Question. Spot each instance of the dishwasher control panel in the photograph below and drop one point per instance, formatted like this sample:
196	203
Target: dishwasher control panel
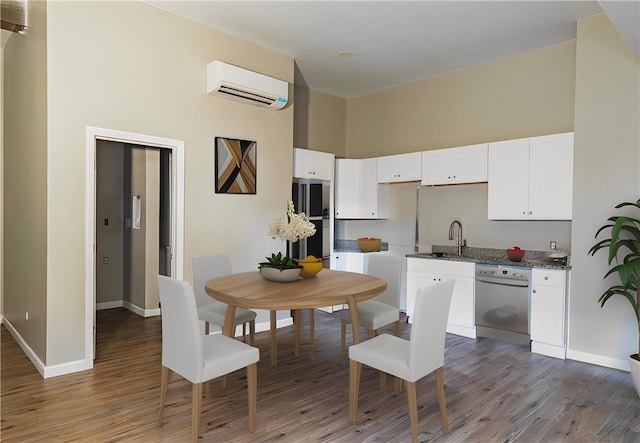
503	272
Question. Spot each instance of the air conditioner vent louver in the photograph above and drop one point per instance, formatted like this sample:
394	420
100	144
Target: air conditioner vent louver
239	93
250	87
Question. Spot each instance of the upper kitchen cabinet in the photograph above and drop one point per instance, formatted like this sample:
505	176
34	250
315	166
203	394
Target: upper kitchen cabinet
466	164
357	193
399	168
531	178
313	164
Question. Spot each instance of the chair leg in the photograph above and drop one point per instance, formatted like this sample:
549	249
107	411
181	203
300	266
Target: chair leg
413	409
397	385
343	341
296	329
244	332
312	327
196	392
164	378
252	331
355	368
441	402
252	388
206	328
397	329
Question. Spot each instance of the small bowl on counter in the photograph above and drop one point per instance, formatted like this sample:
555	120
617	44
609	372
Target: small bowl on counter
515	253
369	244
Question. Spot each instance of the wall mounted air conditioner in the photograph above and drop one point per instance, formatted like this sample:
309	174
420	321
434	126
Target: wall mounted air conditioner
250	87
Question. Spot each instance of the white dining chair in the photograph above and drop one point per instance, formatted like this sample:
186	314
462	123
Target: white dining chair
408	360
197	357
205	268
382	310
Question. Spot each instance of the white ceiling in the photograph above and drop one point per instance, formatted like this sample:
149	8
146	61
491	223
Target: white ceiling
393	42
398	42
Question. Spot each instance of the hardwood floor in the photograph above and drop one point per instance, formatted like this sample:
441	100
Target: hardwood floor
495	392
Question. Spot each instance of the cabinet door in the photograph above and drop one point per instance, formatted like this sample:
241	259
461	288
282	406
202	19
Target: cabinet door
368	187
312	164
338	261
437	167
347	188
416	280
399	168
509	180
465	164
470	164
551	177
547	307
461	311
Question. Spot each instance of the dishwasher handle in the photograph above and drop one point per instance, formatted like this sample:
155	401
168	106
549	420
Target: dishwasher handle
503	281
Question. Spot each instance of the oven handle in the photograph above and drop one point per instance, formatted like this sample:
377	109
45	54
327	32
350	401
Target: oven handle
503	282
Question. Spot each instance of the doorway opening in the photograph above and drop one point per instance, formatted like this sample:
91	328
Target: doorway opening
134	222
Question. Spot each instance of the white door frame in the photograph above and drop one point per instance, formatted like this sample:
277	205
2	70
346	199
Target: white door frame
177	214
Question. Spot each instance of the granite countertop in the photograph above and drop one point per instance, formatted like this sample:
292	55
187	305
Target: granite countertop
352	246
532	259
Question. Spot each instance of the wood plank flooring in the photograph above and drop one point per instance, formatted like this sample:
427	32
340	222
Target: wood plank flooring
495	392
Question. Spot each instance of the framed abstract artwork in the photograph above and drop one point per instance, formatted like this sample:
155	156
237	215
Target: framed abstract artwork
235	166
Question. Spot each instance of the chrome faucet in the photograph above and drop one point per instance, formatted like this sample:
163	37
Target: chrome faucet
459	240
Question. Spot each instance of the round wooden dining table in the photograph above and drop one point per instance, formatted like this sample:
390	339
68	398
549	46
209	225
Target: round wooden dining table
329	287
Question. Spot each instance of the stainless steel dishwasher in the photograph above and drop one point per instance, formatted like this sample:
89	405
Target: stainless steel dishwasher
502	303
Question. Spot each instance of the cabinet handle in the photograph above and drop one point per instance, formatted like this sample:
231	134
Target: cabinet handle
534	291
546	277
530	212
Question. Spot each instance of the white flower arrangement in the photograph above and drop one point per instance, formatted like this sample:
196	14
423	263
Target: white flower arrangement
291	227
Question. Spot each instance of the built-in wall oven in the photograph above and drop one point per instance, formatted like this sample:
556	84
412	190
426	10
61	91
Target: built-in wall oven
502	303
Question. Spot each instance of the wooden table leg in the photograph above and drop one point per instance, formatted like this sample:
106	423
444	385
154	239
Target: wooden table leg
229	321
274	346
355	322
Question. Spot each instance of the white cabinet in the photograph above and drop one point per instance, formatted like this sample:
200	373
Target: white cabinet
399	168
357	193
531	178
348	261
548	312
424	272
313	164
465	164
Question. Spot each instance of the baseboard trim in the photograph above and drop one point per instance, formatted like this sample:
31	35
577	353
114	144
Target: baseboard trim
44	370
129	306
464	331
599	360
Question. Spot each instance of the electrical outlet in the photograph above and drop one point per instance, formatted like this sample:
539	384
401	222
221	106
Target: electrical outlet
26	315
552	245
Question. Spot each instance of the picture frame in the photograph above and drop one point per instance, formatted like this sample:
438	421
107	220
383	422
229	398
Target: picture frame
235	166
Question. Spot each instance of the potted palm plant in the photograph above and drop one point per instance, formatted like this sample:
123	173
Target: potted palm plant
623	247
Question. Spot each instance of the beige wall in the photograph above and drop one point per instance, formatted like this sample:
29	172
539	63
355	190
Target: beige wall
606	172
132	67
526	95
320	122
25	180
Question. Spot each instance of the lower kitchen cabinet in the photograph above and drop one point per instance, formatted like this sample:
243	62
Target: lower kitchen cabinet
548	312
427	272
348	261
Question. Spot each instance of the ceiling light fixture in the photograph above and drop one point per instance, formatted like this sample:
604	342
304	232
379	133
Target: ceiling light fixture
345	54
